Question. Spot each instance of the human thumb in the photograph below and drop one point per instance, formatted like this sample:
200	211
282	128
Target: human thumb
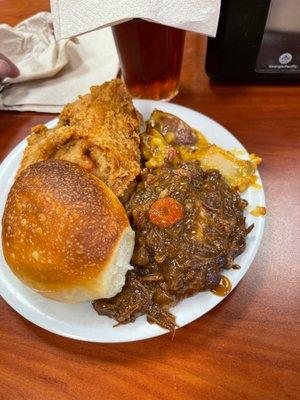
4	69
7	68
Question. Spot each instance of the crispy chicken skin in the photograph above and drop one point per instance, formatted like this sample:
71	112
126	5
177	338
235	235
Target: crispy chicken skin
99	132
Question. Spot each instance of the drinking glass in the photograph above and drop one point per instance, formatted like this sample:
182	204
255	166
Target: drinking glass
150	56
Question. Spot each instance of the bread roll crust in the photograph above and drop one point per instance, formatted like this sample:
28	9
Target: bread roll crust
61	228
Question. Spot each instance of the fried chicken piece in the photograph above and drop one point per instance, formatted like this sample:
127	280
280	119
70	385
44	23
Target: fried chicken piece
99	132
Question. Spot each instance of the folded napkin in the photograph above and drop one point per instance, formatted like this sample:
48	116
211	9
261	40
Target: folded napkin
53	73
74	17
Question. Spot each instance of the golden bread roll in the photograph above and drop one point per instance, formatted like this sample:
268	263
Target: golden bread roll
65	234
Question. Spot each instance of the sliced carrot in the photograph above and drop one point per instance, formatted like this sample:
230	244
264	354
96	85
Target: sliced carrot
165	212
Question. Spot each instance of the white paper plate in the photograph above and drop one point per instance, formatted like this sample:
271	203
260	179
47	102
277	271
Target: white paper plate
80	321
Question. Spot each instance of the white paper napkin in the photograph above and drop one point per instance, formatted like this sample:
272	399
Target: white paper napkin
53	73
74	17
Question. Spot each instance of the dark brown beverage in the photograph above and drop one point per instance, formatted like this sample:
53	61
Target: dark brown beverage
150	56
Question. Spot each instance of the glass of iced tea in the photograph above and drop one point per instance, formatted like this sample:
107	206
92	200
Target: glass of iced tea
150	55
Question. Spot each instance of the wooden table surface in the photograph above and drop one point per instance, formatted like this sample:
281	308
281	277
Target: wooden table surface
247	347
